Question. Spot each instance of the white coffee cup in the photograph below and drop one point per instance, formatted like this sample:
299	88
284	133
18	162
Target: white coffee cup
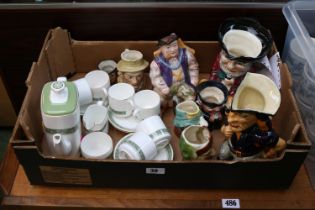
120	98
147	103
95	118
138	147
84	90
96	145
109	66
156	129
99	83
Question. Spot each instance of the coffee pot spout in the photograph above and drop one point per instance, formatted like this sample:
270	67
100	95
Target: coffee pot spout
61	146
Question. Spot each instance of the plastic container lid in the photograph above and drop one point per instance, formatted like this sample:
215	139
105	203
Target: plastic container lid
297	13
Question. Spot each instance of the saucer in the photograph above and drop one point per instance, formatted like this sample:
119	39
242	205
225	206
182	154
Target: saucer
164	154
127	124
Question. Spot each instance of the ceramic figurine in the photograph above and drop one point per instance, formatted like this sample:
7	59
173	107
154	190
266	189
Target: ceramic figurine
243	41
249	133
196	143
183	92
131	69
211	98
173	63
187	113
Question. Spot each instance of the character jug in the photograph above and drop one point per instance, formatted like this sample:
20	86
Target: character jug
61	118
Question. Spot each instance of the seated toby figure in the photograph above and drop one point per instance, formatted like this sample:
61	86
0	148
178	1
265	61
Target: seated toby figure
243	42
248	132
173	64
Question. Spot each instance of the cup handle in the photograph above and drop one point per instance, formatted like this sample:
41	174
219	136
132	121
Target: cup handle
136	113
202	121
105	95
132	105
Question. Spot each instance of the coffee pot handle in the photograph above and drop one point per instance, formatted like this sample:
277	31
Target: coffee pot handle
61	146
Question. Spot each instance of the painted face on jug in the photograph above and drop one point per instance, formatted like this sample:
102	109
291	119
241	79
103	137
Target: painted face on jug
240	121
233	68
133	78
170	51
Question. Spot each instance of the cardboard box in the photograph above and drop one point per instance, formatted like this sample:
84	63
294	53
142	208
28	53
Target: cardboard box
62	56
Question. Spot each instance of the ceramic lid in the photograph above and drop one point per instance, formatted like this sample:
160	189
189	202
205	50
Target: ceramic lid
59	98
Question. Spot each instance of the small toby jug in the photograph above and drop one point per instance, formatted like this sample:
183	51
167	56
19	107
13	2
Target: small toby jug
61	118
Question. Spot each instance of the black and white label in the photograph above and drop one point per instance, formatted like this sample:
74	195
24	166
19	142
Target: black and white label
155	171
231	203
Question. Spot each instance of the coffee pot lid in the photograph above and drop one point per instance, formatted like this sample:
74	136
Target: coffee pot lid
59	97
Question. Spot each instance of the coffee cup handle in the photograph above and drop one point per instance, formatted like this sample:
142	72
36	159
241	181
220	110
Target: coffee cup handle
131	104
136	113
105	95
202	121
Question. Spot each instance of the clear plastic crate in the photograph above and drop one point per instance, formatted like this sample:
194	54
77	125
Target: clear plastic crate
299	54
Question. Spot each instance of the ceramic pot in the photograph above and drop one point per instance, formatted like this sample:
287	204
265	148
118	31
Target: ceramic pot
61	117
211	98
196	143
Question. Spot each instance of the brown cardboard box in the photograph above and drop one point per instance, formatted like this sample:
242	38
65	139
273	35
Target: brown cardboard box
62	56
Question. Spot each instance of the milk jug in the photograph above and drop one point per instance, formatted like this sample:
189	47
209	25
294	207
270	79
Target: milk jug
61	118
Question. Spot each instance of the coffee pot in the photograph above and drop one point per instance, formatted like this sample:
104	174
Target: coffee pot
61	118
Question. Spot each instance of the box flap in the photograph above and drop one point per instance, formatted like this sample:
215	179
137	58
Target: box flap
59	54
30	115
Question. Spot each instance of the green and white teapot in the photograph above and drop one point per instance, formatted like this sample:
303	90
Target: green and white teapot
61	118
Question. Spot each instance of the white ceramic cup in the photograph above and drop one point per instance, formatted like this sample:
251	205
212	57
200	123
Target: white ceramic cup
120	98
95	118
147	103
99	83
156	129
138	147
107	66
96	145
84	90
